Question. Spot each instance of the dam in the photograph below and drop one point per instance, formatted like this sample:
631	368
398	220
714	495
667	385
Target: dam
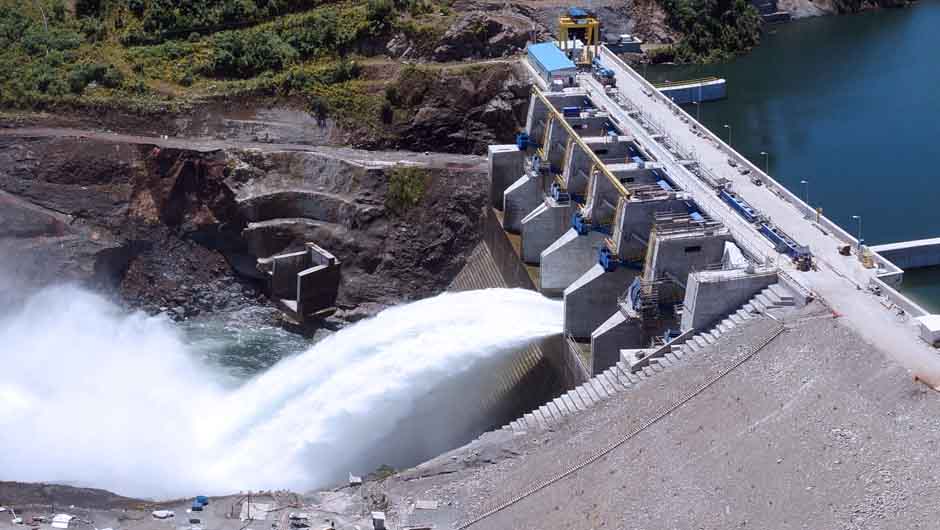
659	237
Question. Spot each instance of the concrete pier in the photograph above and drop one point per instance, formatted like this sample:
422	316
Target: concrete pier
911	254
520	198
506	165
303	284
592	298
542	226
623	329
567	258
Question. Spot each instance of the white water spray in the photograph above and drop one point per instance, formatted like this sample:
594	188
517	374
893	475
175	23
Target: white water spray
92	396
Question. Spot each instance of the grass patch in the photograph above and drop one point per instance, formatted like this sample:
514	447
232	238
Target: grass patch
142	54
406	187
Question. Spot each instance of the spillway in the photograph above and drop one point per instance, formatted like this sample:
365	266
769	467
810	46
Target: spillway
95	396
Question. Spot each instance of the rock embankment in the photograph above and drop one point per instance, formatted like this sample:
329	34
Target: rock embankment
177	230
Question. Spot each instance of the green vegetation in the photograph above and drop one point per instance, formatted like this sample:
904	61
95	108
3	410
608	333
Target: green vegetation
148	54
382	472
713	30
406	187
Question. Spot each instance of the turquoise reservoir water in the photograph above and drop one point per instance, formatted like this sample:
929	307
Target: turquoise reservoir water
851	104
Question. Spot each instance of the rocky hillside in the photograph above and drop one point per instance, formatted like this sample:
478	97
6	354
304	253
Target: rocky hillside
337	62
178	230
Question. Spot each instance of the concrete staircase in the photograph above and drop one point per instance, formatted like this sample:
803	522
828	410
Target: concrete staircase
622	375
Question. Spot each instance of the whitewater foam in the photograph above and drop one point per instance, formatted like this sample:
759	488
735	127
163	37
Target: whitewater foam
98	397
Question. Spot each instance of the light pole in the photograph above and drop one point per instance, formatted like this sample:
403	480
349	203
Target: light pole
766	156
698	110
805	184
726	126
859	219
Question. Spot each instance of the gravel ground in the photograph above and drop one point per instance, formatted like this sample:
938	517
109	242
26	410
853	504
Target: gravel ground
818	430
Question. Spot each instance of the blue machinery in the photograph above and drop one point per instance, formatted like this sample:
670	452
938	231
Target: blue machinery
561	195
739	205
582	227
783	243
611	261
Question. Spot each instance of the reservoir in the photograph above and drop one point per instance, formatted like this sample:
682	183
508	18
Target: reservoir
851	105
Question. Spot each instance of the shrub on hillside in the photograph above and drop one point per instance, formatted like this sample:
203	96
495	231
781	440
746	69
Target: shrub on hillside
713	29
244	55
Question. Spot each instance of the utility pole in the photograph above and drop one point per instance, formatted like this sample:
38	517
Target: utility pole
859	238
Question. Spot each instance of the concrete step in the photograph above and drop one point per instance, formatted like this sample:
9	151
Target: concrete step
561	406
556	412
700	340
548	414
575	400
664	362
708	337
625	373
782	293
518	426
624	380
749	307
743	314
541	420
672	358
599	388
648	372
586	398
758	305
531	422
771	296
715	333
736	318
605	384
611	375
692	346
764	299
612	380
723	327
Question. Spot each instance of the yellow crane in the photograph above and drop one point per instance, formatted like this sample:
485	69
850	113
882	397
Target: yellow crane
578	24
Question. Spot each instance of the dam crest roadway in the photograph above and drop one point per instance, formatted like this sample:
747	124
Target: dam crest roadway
647	148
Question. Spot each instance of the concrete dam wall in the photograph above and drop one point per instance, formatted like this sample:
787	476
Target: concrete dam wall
544	369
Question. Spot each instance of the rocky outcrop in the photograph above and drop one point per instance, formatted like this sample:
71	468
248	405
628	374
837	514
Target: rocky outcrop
179	231
480	31
483	35
459	109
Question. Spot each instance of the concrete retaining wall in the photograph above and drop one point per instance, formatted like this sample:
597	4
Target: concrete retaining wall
483	271
710	296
